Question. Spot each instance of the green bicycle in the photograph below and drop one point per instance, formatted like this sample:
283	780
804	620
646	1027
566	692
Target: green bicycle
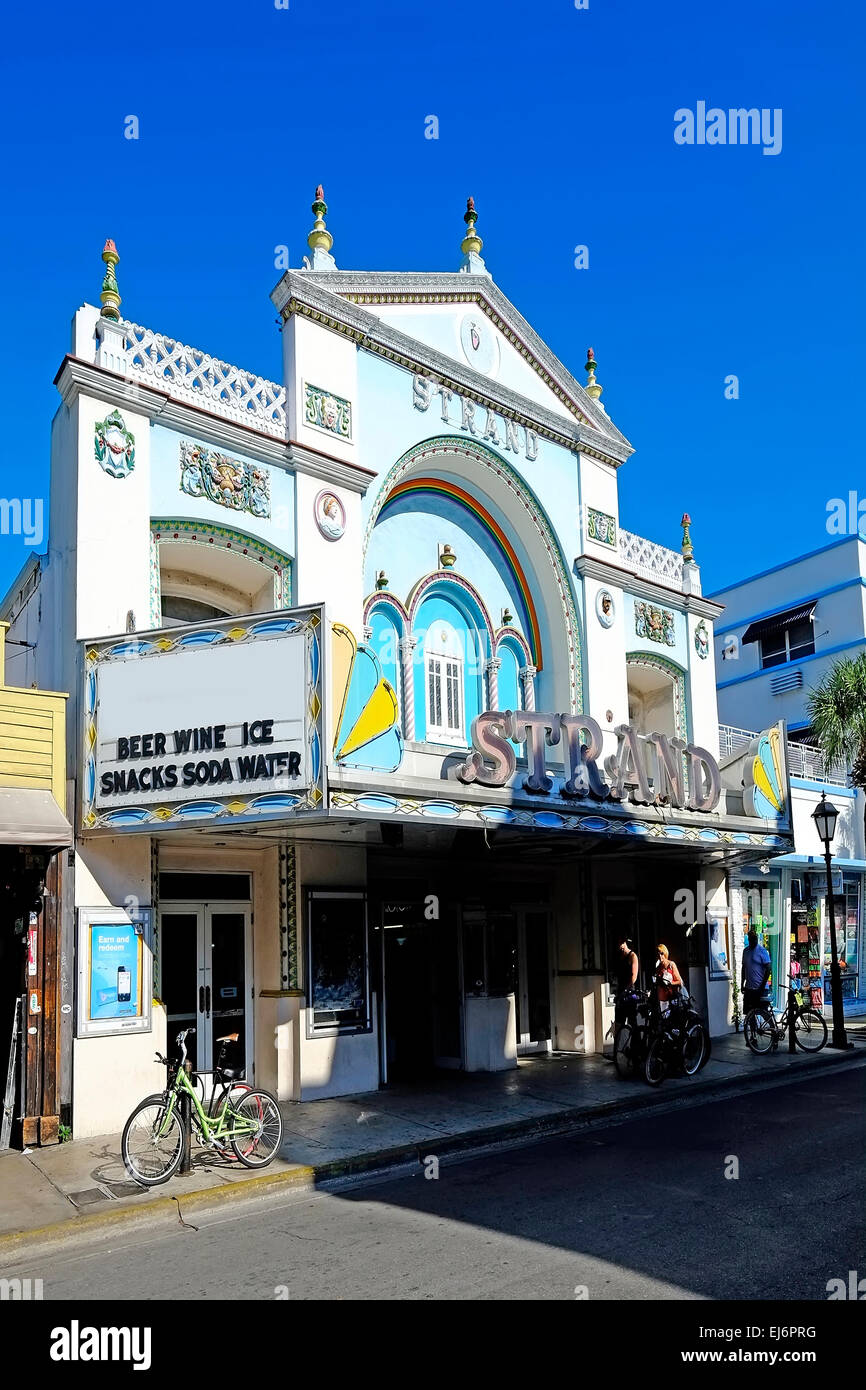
247	1123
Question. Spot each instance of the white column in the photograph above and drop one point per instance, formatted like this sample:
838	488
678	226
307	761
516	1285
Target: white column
407	666
527	675
492	669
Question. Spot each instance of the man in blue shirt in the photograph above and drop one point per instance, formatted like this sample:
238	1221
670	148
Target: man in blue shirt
756	973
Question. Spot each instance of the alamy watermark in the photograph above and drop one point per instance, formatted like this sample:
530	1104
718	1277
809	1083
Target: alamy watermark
22	516
736	126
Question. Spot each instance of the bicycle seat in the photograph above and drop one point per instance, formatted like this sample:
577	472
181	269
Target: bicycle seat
229	1037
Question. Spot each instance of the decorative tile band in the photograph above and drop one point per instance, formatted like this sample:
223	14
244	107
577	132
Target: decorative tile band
288	917
226	481
381	803
601	527
325	411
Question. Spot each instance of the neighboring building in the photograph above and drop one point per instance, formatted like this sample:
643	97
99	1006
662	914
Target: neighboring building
383	730
781	632
33	935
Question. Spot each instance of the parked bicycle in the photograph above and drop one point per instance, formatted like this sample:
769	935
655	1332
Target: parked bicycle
680	1043
245	1122
763	1031
650	1042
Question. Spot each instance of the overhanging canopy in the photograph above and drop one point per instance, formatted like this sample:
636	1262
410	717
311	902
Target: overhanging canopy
32	819
755	631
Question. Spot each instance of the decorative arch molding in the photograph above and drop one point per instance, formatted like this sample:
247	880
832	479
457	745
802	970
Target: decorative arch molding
202	533
382	599
418	485
678	678
509	636
488	460
442	581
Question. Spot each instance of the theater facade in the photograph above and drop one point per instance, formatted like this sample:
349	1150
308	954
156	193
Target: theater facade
383	729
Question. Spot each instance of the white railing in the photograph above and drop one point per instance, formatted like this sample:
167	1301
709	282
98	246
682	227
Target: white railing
192	376
651	561
804	760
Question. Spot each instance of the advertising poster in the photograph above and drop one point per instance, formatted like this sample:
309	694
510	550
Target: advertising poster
115	971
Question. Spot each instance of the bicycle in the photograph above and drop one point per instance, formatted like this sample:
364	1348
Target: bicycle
630	1038
763	1031
154	1136
679	1045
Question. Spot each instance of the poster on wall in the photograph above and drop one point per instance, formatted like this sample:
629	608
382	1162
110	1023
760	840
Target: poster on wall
114	971
719	956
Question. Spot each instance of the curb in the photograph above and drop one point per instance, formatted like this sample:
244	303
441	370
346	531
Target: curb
308	1177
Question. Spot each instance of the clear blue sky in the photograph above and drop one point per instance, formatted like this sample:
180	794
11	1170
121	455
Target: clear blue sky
704	261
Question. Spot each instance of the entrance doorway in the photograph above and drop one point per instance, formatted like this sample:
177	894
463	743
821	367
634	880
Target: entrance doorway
421	1016
534	1032
206	979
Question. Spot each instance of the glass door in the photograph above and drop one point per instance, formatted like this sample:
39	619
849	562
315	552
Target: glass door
205	980
181	940
224	980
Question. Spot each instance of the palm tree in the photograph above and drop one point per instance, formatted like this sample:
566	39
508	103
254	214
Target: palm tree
837	713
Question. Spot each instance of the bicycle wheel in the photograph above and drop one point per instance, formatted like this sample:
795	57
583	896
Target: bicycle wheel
759	1032
259	1147
693	1049
151	1149
623	1054
655	1066
810	1030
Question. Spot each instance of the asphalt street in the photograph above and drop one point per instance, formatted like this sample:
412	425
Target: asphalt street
646	1208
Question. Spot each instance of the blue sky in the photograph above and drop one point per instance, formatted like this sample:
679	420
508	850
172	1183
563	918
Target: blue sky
703	261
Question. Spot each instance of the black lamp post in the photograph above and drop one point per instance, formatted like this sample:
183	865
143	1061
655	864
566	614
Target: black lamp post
825	816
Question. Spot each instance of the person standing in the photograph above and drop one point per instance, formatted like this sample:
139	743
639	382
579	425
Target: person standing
755	973
668	978
627	971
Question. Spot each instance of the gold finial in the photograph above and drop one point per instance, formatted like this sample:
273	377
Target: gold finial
472	242
688	551
592	387
320	238
110	296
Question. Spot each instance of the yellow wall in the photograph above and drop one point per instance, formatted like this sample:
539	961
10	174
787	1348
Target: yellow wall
32	737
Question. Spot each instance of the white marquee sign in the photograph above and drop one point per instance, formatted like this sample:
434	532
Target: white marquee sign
195	724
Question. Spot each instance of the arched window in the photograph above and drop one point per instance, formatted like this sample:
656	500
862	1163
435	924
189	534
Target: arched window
510	686
444	663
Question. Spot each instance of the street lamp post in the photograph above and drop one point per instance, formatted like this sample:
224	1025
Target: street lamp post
825	816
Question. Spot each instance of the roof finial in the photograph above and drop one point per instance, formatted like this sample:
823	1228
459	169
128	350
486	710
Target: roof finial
592	387
688	552
320	240
471	244
110	296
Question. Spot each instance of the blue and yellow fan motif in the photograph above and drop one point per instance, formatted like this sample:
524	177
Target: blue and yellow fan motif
765	794
365	707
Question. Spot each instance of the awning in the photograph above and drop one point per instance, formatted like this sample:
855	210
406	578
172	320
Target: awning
32	819
764	626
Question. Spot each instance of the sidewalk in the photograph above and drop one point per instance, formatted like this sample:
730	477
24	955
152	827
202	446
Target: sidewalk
50	1193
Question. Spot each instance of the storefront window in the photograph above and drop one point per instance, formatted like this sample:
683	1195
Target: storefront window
846	911
338	973
760	905
806	940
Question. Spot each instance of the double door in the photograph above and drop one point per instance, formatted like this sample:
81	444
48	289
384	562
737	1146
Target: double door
207	978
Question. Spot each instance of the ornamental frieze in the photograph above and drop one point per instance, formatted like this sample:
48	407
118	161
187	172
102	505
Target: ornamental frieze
325	411
601	527
226	481
114	446
655	624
